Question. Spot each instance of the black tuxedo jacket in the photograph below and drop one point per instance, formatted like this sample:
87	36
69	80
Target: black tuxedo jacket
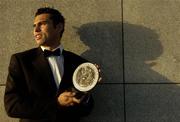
31	92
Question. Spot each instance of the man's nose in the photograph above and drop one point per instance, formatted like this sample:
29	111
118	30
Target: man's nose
37	29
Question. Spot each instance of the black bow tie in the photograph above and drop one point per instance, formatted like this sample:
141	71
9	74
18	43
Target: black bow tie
48	53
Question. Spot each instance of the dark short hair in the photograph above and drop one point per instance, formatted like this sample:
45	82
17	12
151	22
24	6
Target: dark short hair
55	15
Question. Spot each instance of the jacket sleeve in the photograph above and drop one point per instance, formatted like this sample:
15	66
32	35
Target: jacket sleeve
86	105
17	100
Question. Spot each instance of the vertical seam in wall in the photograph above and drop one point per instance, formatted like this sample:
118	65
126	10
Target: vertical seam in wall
123	61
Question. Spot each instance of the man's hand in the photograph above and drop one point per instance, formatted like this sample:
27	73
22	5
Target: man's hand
67	99
99	70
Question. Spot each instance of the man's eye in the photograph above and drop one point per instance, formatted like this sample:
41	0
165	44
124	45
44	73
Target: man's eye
40	24
43	23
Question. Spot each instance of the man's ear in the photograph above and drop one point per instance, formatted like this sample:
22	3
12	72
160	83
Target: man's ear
59	27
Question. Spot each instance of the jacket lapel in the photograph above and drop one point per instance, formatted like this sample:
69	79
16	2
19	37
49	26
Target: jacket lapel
43	70
66	82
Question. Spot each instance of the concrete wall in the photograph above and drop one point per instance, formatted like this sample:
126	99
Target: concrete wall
134	41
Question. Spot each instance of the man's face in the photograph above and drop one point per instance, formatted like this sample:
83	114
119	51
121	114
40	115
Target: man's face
44	31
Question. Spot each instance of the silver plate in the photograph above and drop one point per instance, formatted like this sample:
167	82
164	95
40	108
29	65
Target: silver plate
85	77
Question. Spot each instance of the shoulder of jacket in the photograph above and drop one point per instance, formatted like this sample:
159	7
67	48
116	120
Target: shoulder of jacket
68	52
74	56
25	53
71	54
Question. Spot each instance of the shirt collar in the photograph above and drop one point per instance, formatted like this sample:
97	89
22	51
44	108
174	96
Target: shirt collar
60	47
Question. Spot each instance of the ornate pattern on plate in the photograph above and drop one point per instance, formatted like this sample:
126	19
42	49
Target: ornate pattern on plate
85	77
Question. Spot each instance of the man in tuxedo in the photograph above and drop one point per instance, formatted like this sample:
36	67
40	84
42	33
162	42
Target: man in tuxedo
39	85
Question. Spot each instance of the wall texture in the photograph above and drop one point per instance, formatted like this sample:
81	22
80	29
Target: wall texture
136	43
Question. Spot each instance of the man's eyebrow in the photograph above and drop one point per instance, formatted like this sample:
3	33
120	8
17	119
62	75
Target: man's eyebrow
44	21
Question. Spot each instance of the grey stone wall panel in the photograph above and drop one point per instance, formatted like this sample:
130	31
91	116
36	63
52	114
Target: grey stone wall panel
152	103
109	104
152	49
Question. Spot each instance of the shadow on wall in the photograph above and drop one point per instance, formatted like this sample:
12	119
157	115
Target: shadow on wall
141	48
105	42
143	102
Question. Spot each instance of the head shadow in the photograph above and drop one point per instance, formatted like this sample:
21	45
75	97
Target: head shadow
141	49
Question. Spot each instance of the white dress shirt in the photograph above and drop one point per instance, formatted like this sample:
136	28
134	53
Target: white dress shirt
57	65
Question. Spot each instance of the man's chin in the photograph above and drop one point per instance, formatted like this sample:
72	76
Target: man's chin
40	42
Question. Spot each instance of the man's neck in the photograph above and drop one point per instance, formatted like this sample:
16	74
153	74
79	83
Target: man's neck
47	48
51	48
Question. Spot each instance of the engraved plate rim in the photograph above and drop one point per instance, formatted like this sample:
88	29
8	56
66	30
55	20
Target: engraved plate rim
84	89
